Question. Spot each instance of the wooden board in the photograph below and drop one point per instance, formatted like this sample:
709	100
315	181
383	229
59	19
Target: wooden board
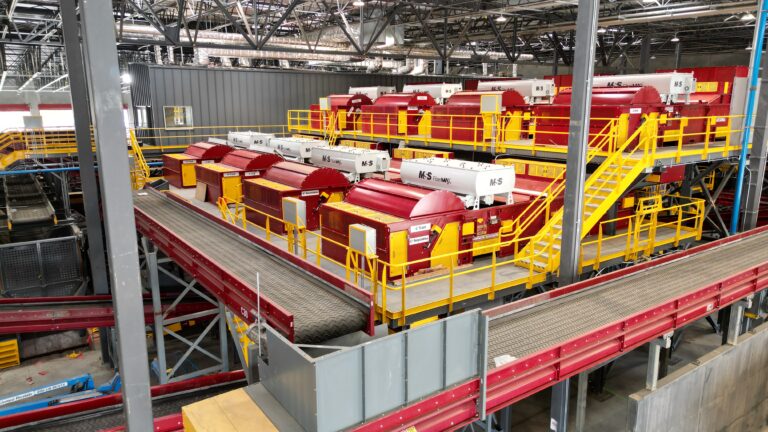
234	411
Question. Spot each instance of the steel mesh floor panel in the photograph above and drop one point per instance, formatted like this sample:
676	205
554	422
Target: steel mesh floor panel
318	314
550	323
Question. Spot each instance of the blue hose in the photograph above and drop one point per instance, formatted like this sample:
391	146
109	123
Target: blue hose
755	72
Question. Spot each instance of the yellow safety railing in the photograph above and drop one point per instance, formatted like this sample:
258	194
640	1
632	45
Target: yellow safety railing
542	207
643	233
678	136
140	172
163	140
614	174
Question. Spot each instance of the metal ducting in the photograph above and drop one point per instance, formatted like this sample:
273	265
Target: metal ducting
275	43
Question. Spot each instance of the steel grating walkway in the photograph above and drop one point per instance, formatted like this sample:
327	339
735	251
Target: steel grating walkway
551	323
318	314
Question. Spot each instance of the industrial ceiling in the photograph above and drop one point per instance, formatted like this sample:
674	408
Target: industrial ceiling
326	34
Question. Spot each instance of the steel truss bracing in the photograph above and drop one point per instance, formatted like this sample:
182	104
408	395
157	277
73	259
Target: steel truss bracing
466	33
163	322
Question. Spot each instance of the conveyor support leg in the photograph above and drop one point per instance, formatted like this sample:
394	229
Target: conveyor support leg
558	416
736	319
654	359
581	401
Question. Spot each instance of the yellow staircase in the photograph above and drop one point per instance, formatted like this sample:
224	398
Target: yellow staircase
140	171
331	131
601	191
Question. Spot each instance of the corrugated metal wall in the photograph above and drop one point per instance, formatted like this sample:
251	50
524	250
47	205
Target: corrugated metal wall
247	96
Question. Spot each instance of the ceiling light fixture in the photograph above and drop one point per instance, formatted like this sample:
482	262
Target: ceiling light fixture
601	30
358	3
501	18
675	39
747	17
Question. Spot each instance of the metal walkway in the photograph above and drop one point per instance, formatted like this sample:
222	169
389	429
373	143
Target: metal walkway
317	313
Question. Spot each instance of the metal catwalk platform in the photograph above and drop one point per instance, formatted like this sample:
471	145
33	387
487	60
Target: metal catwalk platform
225	262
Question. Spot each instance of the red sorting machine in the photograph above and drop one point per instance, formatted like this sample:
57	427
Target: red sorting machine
460	118
179	168
625	104
347	109
395	114
414	223
315	186
224	179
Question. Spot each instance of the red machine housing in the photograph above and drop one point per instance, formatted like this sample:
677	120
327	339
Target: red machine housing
715	79
607	103
312	185
242	164
414	223
384	116
175	169
347	108
460	118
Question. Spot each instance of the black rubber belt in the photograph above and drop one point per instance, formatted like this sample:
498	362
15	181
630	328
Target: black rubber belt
318	314
550	323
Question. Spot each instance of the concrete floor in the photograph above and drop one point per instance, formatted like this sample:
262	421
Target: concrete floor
609	412
44	370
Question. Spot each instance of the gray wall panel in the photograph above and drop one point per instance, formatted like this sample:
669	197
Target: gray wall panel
724	391
229	97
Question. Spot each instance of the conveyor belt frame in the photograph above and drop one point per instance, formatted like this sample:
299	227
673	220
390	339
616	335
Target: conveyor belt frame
239	296
523	377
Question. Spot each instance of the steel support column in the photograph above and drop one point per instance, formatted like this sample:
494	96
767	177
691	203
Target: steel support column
101	67
678	54
85	159
558	414
736	319
581	401
162	323
654	359
758	153
645	54
578	140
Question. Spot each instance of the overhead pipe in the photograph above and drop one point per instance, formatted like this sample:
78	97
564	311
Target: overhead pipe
745	136
275	43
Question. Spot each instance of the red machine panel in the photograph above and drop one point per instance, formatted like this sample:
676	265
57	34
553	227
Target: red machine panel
219	178
607	103
315	186
460	119
395	113
414	223
347	109
174	164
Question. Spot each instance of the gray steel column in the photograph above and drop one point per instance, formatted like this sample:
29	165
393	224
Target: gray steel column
79	97
153	279
578	139
654	359
645	54
757	156
581	401
678	54
558	414
98	32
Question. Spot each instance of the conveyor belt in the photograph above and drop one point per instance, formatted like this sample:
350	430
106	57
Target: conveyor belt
26	202
551	323
318	314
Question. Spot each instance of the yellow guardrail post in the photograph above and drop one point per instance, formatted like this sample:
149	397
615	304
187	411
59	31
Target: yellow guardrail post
450	286
402	297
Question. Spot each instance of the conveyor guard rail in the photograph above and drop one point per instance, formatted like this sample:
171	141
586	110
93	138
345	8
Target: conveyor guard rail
525	353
